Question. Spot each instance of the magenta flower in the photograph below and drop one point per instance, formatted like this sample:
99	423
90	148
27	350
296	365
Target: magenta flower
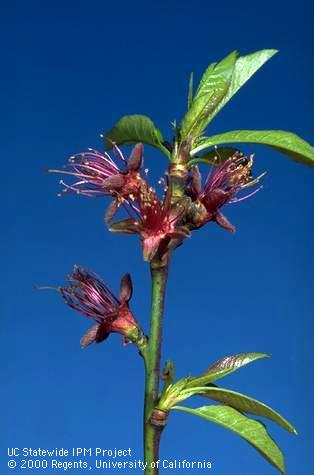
222	186
89	295
98	175
155	221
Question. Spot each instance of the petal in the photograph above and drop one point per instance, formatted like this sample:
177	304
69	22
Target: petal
95	334
114	182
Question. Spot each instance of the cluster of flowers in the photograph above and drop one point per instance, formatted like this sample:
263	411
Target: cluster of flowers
158	222
162	224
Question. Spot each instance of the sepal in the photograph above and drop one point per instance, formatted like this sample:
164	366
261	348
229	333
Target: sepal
126	288
125	226
224	222
96	334
136	158
111	211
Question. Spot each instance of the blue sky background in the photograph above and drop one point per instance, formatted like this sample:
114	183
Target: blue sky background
71	69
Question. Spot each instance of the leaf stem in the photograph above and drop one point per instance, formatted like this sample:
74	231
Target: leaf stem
159	272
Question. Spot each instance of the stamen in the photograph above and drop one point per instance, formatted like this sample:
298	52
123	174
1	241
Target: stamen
254	181
237	200
47	287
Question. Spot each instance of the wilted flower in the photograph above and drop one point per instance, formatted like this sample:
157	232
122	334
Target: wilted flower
98	175
88	294
155	221
222	186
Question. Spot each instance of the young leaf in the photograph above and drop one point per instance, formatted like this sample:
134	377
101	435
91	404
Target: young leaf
242	403
189	386
190	95
223	367
244	69
251	430
285	142
173	393
212	89
135	128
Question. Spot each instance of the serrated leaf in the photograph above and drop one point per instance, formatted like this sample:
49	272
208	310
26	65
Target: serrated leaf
242	403
251	430
223	367
131	129
280	140
244	69
212	89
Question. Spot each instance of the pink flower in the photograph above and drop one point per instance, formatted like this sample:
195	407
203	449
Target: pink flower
222	186
98	175
89	295
156	222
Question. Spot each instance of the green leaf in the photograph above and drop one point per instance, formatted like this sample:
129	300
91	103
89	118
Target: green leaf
215	156
285	142
135	128
185	387
172	394
190	95
181	391
251	430
244	69
223	367
212	89
242	403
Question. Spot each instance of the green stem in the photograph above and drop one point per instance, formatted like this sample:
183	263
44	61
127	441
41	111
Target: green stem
159	271
178	173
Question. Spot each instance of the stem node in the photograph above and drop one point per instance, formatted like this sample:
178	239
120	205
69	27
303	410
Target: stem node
159	418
